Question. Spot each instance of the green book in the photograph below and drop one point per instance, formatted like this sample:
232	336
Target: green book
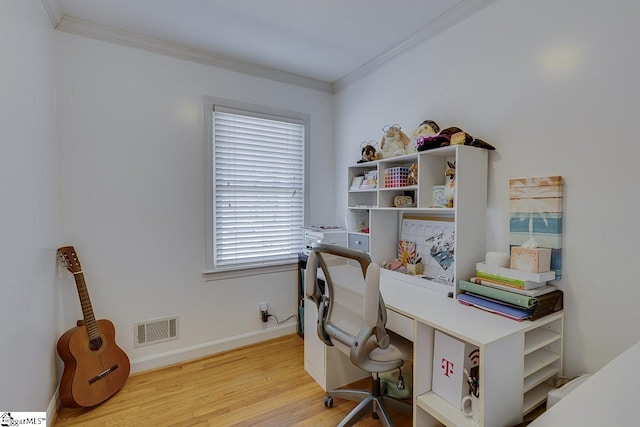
510	281
498	294
515	278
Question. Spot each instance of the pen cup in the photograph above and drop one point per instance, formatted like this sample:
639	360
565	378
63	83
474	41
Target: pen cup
471	407
415	269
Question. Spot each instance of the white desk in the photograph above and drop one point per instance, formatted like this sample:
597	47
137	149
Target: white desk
607	398
505	345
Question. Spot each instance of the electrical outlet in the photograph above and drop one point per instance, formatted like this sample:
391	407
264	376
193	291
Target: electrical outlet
263	310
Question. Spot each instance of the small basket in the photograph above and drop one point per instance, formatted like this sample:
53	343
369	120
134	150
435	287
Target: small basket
396	177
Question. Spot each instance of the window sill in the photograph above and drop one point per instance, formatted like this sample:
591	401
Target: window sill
210	276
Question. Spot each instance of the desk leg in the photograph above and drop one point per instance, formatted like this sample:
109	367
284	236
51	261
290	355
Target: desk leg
501	367
422	371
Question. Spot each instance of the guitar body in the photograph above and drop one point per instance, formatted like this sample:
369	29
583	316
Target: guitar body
95	368
91	376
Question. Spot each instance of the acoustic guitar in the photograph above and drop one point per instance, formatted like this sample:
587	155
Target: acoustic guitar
95	368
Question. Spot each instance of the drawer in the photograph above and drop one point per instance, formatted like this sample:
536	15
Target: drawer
359	241
400	324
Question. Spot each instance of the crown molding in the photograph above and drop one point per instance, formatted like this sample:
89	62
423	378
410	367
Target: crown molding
54	10
439	24
85	28
100	32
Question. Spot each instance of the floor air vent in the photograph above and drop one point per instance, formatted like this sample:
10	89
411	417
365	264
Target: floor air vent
156	331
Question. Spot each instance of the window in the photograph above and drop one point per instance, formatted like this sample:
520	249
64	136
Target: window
257	188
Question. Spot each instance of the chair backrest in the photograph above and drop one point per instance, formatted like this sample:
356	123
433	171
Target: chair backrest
340	321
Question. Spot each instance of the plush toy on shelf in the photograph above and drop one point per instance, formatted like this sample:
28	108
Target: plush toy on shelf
412	177
426	129
450	136
395	142
369	152
450	186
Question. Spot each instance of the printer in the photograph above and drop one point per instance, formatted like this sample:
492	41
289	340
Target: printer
331	235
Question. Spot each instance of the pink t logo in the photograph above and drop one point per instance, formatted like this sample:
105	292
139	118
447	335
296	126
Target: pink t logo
447	367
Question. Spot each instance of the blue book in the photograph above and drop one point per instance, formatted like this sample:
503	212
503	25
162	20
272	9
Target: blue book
494	307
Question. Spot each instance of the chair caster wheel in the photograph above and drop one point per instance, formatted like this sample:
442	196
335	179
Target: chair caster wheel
328	402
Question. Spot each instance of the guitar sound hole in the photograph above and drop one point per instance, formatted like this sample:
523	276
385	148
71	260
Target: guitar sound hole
95	344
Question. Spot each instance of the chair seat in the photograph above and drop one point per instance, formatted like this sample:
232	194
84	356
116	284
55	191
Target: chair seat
400	348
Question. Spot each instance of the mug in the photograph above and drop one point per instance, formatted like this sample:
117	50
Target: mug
471	407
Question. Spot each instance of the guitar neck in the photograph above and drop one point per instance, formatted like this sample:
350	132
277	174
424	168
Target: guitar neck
87	310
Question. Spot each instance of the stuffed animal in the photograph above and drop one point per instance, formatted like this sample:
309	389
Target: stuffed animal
369	152
426	129
450	136
450	186
395	142
412	177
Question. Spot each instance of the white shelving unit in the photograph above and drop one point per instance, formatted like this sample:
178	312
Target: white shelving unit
375	209
359	204
543	351
518	360
516	370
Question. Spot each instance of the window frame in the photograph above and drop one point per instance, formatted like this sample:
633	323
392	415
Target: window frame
210	273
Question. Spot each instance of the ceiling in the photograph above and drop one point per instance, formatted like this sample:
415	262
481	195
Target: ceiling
324	44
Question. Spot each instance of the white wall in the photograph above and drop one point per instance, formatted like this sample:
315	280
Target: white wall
133	201
28	207
554	87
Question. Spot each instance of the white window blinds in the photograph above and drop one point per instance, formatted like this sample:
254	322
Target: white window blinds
258	189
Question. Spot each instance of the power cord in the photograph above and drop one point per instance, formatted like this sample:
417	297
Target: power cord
278	322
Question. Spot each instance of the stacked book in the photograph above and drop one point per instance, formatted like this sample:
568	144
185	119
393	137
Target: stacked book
511	293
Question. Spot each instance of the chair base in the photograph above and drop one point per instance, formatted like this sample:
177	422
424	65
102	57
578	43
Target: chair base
370	402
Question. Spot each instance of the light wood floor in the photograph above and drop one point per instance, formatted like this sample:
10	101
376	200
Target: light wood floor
260	385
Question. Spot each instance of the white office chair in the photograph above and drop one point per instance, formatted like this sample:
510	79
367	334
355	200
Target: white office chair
358	332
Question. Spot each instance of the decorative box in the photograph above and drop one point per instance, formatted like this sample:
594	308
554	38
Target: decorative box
396	177
536	260
400	201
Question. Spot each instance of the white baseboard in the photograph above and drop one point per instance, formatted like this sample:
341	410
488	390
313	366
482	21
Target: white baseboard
206	349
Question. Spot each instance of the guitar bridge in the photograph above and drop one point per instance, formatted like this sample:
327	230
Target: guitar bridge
103	374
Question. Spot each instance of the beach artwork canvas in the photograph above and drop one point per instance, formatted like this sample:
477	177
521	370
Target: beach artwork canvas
535	206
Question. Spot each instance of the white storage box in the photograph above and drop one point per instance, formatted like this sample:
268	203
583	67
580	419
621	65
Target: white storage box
450	357
331	236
